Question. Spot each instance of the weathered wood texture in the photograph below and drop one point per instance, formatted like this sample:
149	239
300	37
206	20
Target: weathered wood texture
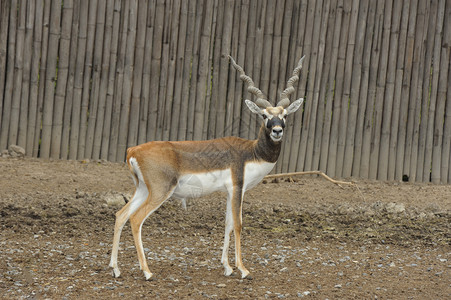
87	79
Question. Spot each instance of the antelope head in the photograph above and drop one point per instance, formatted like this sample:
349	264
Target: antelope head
274	117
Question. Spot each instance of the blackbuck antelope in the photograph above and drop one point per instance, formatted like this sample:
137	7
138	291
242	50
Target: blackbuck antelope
194	168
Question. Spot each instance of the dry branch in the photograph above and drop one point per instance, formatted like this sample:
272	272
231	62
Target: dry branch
337	182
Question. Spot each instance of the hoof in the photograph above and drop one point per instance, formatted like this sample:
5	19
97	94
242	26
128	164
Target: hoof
228	271
248	277
116	273
148	275
244	274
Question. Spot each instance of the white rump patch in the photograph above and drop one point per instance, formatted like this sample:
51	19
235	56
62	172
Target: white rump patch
141	188
136	169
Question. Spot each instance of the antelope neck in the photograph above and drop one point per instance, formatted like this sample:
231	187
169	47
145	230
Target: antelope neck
266	149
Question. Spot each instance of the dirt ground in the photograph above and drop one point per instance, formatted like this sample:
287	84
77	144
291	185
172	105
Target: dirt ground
306	239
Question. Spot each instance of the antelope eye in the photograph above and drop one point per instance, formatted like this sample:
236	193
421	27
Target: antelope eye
264	117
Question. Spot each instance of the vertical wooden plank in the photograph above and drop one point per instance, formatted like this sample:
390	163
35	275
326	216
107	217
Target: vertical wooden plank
355	117
95	80
172	56
42	78
321	79
428	104
407	80
147	67
334	166
102	112
107	133
419	138
63	72
324	108
434	134
119	80
371	96
411	130
291	42
49	96
209	92
34	78
346	93
65	136
212	118
314	80
183	124
268	35
287	60
25	95
329	86
78	81
202	72
279	59
178	80
127	85
395	117
387	99
164	67
194	68
4	22
297	118
445	92
241	124
375	164
233	104
364	103
446	153
224	68
253	65
138	76
18	72
87	80
299	153
155	71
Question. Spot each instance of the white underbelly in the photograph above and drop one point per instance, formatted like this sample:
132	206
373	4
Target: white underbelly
200	184
254	173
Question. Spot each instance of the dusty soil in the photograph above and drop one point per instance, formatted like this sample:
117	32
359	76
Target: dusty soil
307	239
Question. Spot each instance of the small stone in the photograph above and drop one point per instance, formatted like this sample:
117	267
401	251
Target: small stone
338	286
221	285
115	200
395	208
16	151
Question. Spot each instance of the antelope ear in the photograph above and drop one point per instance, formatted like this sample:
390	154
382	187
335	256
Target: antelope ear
253	107
294	106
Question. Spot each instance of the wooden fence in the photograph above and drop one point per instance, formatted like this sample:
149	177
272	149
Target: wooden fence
88	78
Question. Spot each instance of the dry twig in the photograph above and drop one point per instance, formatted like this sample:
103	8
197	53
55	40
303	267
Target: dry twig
337	182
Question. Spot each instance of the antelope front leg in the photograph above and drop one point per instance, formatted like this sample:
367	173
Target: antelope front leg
237	222
228	229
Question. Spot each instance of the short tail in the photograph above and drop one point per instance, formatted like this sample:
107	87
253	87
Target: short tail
131	166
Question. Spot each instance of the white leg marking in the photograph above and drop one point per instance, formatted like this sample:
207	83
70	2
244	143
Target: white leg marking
183	203
138	199
228	229
243	270
147	274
